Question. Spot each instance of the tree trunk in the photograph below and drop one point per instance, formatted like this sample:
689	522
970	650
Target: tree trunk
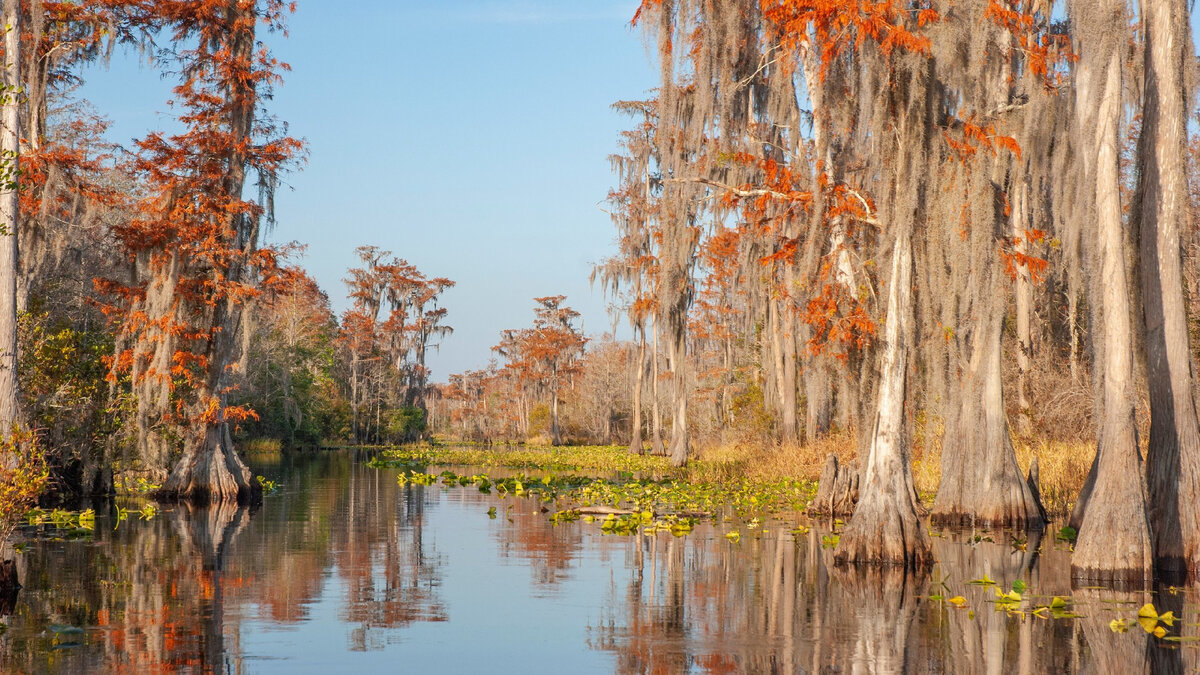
837	490
1114	537
818	394
981	481
773	394
555	439
787	397
885	528
354	398
1024	301
635	433
1173	457
10	151
656	444
677	352
210	469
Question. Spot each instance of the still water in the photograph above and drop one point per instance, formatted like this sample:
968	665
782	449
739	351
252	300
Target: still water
344	570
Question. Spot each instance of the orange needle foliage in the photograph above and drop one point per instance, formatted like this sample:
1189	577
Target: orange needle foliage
194	242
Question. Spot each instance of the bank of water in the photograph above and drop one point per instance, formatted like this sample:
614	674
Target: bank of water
343	569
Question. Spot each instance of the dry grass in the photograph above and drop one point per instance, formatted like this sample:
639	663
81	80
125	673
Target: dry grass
772	462
1063	465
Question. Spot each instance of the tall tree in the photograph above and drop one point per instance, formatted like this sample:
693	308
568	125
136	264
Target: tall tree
10	152
1114	537
1161	211
195	245
981	482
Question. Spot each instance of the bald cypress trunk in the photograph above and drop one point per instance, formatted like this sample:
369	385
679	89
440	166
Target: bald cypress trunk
818	396
885	527
1173	456
677	352
635	432
656	443
981	481
1114	536
787	339
1023	289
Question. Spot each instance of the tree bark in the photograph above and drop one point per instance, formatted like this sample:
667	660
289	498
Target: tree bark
837	490
635	432
656	444
555	438
1173	457
981	481
885	528
1114	537
677	352
787	341
1023	289
818	395
10	151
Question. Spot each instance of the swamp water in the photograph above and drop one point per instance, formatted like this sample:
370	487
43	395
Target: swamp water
344	570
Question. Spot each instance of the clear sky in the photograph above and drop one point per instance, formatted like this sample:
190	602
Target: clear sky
470	137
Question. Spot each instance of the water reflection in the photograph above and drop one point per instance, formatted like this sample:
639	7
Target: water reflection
343	568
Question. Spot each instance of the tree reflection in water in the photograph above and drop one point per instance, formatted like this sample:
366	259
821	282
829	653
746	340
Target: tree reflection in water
171	594
778	604
345	553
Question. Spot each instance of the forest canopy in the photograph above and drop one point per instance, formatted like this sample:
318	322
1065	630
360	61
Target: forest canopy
950	242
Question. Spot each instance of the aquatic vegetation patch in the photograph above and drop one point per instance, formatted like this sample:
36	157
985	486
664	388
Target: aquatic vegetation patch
268	486
603	458
127	484
62	523
629	503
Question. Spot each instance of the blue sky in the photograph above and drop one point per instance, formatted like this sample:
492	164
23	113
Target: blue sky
469	137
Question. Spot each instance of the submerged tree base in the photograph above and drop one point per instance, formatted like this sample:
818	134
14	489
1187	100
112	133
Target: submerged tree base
211	471
885	530
837	490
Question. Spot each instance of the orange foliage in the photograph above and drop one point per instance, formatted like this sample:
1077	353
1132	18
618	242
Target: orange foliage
1043	49
193	225
1012	252
833	25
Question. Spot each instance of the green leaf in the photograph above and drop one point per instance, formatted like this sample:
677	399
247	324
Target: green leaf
1019	586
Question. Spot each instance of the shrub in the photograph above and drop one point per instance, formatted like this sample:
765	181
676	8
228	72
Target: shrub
23	477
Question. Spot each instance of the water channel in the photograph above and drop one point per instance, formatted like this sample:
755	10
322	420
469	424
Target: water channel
344	570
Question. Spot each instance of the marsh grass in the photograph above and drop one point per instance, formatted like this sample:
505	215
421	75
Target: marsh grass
261	446
773	462
1063	464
